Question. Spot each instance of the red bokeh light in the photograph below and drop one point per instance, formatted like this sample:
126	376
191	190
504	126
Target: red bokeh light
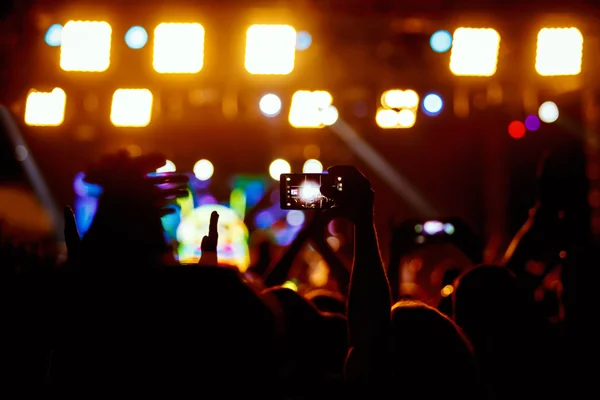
516	129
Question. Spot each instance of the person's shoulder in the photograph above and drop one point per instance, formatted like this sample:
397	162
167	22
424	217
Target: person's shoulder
184	275
203	271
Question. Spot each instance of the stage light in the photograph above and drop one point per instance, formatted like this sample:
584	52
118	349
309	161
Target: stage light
474	52
303	40
406	118
312	166
548	112
432	104
329	115
312	110
131	107
398	99
559	51
54	35
441	41
136	37
85	46
295	218
279	167
45	108
168	167
178	48
532	123
516	129
386	119
203	170
270	105
270	49
398	109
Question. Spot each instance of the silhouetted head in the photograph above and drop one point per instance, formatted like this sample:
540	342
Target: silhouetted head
488	301
327	301
314	344
496	314
192	329
431	356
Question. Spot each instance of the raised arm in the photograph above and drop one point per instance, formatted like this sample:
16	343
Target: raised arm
369	301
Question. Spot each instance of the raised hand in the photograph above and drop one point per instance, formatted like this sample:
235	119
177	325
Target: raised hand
128	178
210	242
355	201
127	225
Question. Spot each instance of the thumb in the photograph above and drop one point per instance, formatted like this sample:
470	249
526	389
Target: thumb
72	238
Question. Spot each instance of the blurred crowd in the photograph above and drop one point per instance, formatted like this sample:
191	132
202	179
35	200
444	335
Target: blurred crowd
120	315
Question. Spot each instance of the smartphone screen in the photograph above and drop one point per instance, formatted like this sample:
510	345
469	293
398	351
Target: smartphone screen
309	191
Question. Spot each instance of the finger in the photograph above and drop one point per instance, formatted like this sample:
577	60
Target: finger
212	228
174	193
208	245
167	177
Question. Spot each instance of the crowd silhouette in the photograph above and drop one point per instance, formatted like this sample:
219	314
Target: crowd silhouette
120	315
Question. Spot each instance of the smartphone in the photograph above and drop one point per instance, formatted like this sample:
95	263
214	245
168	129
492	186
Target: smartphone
309	191
434	228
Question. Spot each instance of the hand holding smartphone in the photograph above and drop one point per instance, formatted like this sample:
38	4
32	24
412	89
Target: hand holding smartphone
310	191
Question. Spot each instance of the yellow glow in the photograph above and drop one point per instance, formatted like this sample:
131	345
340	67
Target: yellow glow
334	243
312	109
406	118
45	108
559	51
447	290
168	167
399	109
270	49
399	99
131	107
312	166
278	167
290	285
178	48
386	119
85	46
319	273
474	52
203	170
270	105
